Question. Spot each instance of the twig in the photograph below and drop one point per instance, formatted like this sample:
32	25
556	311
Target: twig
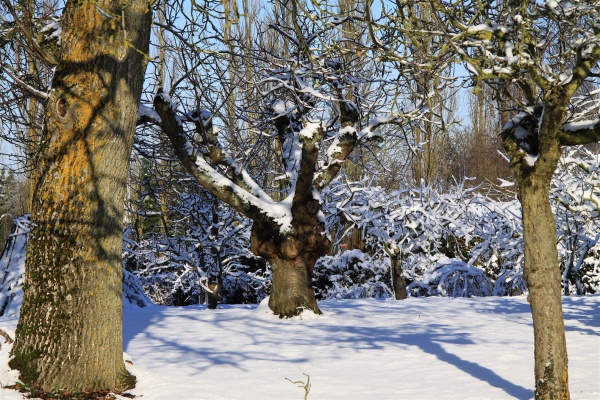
6	336
305	385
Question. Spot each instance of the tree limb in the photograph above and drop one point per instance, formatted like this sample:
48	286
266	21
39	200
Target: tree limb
583	132
252	205
32	44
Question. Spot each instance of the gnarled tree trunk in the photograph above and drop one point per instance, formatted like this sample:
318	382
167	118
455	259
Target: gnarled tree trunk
69	335
292	258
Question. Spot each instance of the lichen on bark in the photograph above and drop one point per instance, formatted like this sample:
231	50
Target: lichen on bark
69	334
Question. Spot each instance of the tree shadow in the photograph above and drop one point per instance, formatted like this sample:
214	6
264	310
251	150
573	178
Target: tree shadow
582	312
203	351
211	349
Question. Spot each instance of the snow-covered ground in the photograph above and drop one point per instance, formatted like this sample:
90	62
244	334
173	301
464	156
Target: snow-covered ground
420	348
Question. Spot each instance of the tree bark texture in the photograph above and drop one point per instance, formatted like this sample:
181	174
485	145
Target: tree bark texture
543	277
69	334
398	278
541	266
292	259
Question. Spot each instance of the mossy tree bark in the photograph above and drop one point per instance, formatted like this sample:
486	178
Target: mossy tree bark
69	334
543	277
541	267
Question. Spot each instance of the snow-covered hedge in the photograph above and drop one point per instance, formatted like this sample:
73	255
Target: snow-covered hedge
452	278
428	228
461	242
455	243
175	271
352	275
576	199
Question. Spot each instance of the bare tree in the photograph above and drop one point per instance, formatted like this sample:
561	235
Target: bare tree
306	120
480	152
28	46
537	57
402	36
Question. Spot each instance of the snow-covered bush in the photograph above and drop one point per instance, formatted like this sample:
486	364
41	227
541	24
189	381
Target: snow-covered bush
588	274
482	236
207	254
497	236
165	271
133	292
246	279
351	275
452	278
575	195
428	228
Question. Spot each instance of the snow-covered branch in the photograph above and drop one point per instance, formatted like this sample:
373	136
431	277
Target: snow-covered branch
580	132
256	207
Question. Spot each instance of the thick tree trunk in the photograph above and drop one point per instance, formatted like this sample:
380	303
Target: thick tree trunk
69	335
292	290
292	259
544	281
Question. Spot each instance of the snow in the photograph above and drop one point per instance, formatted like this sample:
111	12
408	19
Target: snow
505	183
530	159
281	107
52	30
518	18
148	112
280	212
12	268
420	348
480	28
310	129
581	125
551	4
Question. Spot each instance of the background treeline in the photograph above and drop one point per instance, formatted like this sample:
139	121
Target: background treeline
449	240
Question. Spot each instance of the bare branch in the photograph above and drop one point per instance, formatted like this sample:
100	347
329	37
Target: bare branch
215	182
38	94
